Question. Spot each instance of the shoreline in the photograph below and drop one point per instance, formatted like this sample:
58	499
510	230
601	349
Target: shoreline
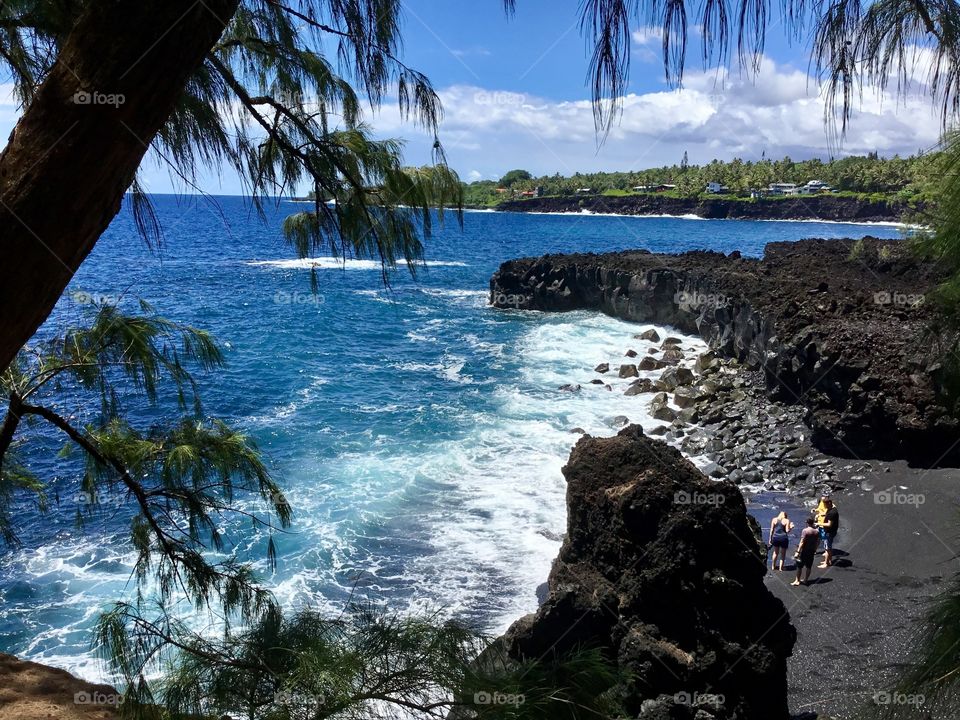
690	216
897	547
800	207
892	558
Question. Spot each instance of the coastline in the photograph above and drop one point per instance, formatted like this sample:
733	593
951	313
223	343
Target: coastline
897	547
804	207
688	216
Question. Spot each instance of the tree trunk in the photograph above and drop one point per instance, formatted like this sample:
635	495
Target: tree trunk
77	147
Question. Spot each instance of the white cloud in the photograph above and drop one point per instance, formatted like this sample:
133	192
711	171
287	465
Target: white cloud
648	35
717	114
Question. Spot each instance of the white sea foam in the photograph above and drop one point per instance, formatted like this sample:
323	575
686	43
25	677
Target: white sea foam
469	523
332	263
691	216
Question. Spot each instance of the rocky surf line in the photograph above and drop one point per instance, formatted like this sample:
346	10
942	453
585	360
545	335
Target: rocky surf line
839	328
807	207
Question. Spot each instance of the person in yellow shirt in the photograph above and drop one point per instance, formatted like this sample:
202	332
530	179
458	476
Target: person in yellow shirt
829	524
821	512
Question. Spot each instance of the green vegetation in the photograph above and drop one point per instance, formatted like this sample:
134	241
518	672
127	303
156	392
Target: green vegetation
909	180
175	479
368	664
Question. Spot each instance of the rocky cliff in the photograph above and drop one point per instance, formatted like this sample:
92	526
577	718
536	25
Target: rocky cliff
807	207
841	328
662	569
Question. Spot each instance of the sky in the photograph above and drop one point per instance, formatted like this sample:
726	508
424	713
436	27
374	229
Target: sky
515	95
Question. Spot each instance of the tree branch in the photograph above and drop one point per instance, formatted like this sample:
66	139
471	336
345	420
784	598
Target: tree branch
10	424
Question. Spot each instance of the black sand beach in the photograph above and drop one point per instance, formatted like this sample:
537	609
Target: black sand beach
857	621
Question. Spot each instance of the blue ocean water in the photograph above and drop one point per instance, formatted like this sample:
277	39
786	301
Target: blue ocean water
418	433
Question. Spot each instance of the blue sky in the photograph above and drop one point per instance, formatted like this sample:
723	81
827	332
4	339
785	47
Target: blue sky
539	50
515	95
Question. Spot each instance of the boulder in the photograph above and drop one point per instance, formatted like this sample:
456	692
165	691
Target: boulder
570	387
706	362
686	396
650	335
672	355
641	385
662	570
602	368
665	413
671	341
628	371
674	377
631	353
649	363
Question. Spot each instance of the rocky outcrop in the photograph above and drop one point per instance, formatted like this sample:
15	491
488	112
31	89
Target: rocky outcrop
839	327
662	569
807	207
31	691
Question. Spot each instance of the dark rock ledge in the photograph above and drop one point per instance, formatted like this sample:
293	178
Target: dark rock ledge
662	569
839	328
806	207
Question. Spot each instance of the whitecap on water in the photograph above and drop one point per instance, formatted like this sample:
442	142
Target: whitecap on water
333	263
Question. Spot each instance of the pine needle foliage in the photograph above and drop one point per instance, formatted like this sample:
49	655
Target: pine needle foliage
177	481
281	100
365	664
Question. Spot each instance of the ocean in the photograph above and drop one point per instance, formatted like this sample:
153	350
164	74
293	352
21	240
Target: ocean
418	433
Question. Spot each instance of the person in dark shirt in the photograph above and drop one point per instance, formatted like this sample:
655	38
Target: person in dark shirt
830	525
809	540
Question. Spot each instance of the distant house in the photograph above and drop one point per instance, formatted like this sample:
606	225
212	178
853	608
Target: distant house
528	193
815	186
584	191
502	190
715	187
642	188
782	188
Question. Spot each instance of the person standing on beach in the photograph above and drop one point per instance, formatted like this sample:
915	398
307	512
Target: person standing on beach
809	540
779	539
829	525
